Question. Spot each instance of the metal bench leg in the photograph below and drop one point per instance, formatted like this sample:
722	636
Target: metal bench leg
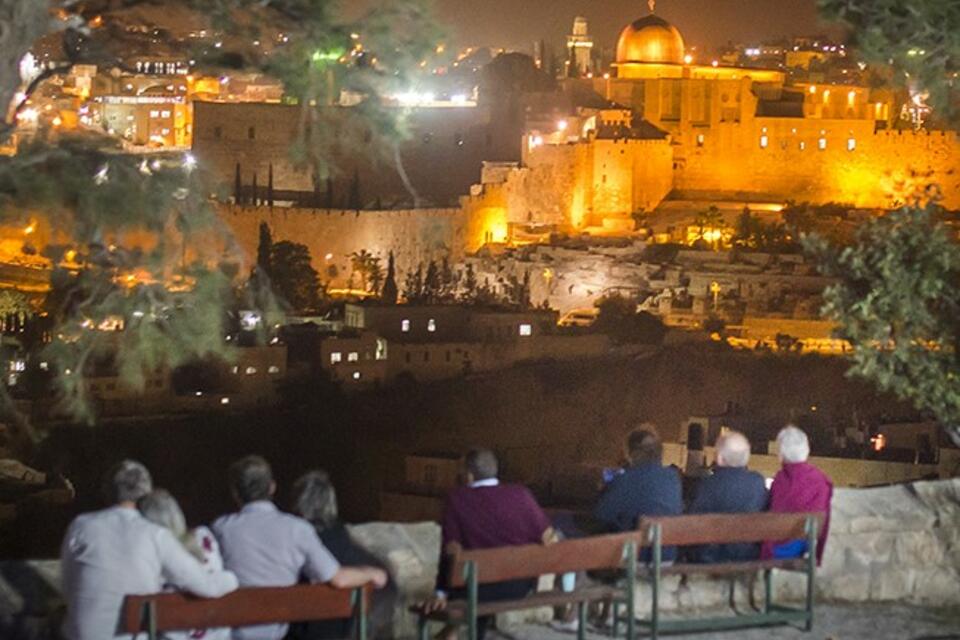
631	590
615	628
811	569
470	576
655	591
767	590
581	620
422	628
361	615
151	612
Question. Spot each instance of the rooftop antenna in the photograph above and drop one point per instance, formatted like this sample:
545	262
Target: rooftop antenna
652	4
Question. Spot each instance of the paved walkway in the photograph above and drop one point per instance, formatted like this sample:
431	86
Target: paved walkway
832	622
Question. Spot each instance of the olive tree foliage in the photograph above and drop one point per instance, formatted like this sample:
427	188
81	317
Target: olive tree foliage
897	300
143	229
919	39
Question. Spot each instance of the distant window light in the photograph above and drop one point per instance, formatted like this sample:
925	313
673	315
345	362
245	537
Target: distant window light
405	326
822	144
803	145
250	371
252	133
526	329
851	144
336	357
273	369
700	139
164	114
235	370
356	375
764	141
431	325
353	356
165	131
154	114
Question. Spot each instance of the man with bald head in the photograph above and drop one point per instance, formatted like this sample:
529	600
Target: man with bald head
732	488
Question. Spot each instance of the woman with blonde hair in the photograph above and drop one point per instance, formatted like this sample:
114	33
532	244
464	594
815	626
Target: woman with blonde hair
161	508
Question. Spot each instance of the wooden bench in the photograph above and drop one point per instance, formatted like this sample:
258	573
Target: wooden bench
469	569
726	529
178	611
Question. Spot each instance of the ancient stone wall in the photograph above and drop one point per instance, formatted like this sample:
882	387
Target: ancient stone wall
415	236
820	161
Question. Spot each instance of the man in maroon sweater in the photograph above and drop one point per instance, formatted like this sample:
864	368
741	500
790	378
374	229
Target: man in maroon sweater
483	514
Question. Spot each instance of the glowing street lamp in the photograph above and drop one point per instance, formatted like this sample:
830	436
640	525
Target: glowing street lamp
715	290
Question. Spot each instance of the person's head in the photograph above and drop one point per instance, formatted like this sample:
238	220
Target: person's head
482	464
315	499
794	446
251	479
127	482
733	450
643	445
161	508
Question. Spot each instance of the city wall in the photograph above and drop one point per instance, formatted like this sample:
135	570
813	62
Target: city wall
891	544
879	170
414	235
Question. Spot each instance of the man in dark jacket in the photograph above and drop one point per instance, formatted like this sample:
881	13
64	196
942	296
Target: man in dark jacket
731	489
645	488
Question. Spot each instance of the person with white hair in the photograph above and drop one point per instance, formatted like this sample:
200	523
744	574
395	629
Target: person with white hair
799	487
160	507
731	488
109	554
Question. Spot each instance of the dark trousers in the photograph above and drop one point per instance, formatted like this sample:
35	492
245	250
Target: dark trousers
494	592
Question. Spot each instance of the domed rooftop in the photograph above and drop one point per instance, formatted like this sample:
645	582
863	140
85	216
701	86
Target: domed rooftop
650	39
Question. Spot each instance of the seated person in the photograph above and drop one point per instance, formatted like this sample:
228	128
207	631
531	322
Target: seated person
114	552
267	548
161	508
484	514
731	489
799	487
315	500
645	488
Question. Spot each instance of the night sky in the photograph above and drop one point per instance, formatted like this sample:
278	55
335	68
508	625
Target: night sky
704	23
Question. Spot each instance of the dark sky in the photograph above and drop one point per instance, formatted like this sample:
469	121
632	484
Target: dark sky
517	23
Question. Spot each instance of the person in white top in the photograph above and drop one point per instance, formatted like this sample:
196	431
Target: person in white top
109	554
159	507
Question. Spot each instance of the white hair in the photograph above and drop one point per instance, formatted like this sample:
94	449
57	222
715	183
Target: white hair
794	445
733	449
127	481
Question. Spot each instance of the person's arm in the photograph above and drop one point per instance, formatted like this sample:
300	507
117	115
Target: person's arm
185	572
350	577
607	510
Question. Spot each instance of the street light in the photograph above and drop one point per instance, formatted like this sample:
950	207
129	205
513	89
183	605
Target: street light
715	290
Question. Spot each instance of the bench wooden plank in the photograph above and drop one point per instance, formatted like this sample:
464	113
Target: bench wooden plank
530	561
727	568
457	610
179	611
718	528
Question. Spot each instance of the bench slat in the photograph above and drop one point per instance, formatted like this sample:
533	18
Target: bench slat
457	610
179	611
533	560
727	568
717	528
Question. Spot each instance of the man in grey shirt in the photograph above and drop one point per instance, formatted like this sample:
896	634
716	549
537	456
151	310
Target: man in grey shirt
267	548
107	555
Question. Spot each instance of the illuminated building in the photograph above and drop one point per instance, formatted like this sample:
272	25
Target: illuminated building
579	49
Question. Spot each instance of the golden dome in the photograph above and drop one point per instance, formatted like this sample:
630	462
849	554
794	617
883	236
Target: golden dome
650	39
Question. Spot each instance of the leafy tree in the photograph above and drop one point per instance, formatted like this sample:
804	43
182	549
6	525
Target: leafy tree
618	318
100	196
897	301
431	284
294	278
389	293
367	267
711	219
413	290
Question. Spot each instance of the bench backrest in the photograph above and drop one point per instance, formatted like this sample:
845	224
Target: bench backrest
178	611
532	560
716	528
